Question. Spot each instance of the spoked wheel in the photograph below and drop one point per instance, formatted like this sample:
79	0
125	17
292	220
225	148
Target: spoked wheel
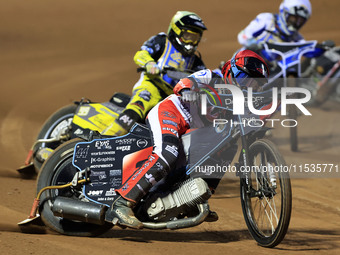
58	170
267	199
58	122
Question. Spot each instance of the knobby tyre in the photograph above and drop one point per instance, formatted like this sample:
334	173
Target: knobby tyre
60	119
267	208
58	170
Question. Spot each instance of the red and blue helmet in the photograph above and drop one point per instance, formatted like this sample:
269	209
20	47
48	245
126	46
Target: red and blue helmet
246	69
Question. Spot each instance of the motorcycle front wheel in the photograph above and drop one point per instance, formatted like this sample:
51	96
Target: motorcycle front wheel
60	120
58	170
267	198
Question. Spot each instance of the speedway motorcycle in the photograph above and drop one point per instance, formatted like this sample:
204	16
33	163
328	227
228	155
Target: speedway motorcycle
325	72
78	119
295	64
76	185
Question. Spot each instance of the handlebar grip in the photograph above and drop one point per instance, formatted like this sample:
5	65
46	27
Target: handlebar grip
326	45
140	69
166	69
143	69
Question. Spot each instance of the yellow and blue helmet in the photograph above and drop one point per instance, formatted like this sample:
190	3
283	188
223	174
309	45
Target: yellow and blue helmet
185	31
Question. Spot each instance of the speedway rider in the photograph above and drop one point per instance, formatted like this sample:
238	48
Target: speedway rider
169	120
175	49
282	27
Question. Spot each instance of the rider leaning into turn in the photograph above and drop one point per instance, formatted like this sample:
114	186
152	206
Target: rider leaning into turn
282	27
175	49
169	120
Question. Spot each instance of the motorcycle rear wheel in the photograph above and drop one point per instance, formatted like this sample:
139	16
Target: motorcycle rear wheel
58	170
62	118
266	208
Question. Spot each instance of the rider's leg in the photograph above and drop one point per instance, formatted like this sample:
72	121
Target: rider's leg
151	172
166	147
144	96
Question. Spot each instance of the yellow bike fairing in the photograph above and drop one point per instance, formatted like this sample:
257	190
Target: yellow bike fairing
94	116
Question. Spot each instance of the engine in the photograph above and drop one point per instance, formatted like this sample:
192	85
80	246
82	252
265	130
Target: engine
179	202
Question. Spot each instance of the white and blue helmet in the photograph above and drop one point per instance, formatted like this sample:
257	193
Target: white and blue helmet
293	15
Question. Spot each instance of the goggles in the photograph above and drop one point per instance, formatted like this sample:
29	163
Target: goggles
253	75
190	37
295	21
245	81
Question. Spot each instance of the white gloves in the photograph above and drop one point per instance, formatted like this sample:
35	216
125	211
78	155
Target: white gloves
189	96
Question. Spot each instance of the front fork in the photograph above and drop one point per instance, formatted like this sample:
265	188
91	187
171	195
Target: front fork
243	165
243	170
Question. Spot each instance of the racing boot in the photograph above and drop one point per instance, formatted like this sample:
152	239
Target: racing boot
122	124
134	189
123	215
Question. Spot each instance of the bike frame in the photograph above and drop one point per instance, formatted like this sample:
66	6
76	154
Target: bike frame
290	55
123	155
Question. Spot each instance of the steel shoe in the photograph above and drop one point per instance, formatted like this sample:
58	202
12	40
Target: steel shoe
212	217
123	215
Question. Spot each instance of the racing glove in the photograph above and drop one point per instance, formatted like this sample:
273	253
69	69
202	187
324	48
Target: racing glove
189	96
152	68
254	45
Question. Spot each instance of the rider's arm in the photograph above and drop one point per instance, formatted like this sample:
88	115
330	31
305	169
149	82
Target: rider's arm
142	57
255	28
198	64
151	50
298	38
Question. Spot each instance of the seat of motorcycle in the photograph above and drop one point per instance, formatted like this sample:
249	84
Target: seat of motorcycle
120	99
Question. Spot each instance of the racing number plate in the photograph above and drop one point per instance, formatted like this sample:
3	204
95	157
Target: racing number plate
111	162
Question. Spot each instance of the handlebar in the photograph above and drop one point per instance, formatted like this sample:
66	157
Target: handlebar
326	45
286	46
166	69
171	72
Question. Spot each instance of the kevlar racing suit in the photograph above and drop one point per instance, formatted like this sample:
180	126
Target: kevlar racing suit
151	89
167	121
262	29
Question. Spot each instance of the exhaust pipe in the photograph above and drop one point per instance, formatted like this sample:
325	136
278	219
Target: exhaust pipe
73	209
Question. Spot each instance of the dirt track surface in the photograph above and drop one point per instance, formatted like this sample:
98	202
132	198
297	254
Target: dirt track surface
54	52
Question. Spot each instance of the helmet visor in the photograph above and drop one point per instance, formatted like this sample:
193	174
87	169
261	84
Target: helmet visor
190	37
255	68
245	81
253	74
296	21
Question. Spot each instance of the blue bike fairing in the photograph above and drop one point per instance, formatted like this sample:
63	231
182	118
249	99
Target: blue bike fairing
314	54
